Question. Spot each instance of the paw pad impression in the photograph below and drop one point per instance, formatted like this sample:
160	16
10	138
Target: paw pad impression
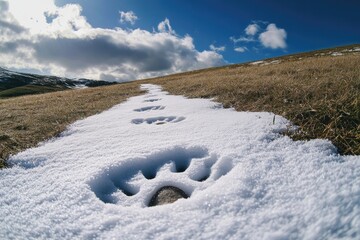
160	178
158	120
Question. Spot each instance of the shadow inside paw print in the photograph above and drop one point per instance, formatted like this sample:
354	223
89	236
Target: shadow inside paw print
135	182
150	108
158	120
152	100
166	195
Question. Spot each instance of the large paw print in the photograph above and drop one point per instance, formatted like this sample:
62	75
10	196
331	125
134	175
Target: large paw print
135	182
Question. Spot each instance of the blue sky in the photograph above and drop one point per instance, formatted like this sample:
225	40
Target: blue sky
138	39
309	24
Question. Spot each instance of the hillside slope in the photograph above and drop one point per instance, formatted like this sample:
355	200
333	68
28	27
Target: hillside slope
238	177
14	84
319	91
27	120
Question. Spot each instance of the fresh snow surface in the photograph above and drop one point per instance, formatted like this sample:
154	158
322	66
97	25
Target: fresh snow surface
335	54
264	63
246	180
257	62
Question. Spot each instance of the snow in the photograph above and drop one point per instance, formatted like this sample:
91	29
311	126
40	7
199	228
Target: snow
257	62
272	62
264	63
336	54
246	180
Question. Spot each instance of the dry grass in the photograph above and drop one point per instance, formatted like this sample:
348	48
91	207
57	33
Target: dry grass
319	94
26	121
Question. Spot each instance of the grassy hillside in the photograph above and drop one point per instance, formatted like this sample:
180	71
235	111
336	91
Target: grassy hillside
25	121
29	90
318	91
14	84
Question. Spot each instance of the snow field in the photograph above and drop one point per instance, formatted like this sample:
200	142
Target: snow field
245	180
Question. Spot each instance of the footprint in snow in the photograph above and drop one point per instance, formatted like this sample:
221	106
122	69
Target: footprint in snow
158	120
149	108
152	100
160	178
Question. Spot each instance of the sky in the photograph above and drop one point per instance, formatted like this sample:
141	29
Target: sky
122	40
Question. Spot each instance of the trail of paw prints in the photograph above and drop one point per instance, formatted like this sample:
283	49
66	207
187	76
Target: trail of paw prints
149	108
158	120
180	171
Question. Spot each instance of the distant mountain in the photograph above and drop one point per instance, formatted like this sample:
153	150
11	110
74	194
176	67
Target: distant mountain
16	84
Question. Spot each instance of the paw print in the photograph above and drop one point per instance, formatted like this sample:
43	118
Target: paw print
158	120
149	108
176	173
152	100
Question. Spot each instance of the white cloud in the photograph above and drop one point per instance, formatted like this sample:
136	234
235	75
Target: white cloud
217	49
67	45
129	17
165	27
242	39
252	29
273	37
204	58
240	49
31	14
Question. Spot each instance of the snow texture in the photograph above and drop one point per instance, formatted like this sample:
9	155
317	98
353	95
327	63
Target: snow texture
245	179
336	54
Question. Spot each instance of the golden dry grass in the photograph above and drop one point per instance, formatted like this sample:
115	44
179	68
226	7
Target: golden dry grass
26	121
319	94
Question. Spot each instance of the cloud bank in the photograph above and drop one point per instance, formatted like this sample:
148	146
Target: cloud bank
60	41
